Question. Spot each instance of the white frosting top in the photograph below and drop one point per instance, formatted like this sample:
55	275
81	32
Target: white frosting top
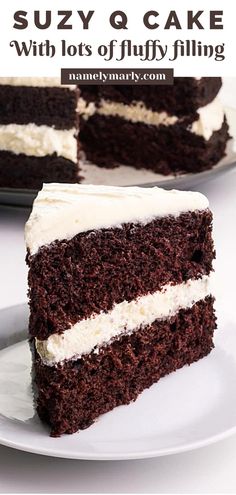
124	318
60	211
43	82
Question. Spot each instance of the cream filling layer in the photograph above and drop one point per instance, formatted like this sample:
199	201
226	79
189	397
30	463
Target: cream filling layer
61	211
33	140
98	330
43	82
135	112
211	116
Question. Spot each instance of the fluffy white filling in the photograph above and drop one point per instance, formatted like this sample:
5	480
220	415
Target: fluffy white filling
34	140
211	116
135	112
124	318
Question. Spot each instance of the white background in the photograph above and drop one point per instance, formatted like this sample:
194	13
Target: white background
207	470
100	32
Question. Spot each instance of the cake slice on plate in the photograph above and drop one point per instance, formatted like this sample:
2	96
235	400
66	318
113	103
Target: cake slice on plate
119	295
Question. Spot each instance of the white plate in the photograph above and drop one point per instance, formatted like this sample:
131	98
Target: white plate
129	176
190	408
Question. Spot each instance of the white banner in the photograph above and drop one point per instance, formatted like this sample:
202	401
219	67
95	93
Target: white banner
192	37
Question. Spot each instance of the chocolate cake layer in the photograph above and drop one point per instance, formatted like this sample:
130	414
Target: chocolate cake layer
72	279
39	105
72	395
183	98
109	141
21	171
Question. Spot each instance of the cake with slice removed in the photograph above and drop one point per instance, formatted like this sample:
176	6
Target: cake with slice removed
119	289
166	129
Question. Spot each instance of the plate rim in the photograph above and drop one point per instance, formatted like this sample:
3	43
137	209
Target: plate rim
122	457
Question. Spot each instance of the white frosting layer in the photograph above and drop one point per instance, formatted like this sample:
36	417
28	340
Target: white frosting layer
33	140
135	112
60	211
211	116
124	318
43	82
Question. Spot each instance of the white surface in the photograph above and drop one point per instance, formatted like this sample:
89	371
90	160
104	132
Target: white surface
124	318
146	428
61	211
207	470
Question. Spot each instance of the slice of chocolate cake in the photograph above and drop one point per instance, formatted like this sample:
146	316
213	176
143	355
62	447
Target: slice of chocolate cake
119	295
38	132
167	129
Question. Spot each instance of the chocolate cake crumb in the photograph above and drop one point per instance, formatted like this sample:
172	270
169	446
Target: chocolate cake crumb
71	395
183	98
72	279
54	107
30	172
111	141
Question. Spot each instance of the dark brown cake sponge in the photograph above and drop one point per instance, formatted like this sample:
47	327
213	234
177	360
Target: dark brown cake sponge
30	172
183	98
111	141
70	280
71	396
